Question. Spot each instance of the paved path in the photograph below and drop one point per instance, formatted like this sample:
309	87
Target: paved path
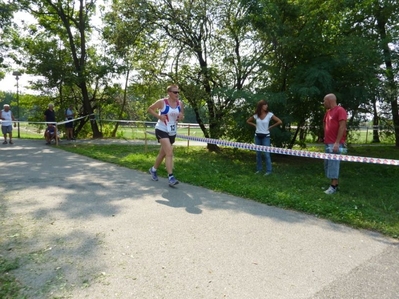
88	229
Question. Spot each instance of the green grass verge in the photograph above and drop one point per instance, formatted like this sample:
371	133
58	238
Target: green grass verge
9	286
368	196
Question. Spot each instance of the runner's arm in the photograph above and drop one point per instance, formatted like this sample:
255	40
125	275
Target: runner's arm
153	110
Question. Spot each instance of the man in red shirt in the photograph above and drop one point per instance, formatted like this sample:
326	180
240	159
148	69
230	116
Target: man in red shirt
334	138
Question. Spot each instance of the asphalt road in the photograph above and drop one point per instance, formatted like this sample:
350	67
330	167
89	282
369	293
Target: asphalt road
87	229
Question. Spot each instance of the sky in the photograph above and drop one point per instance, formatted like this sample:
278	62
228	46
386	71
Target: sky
9	83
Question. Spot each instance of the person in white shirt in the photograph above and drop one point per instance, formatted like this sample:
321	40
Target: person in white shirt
169	111
6	124
69	115
261	121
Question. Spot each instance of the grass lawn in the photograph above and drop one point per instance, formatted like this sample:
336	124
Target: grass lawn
368	196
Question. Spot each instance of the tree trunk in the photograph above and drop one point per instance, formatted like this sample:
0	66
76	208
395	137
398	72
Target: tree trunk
376	137
113	134
88	110
213	148
395	118
294	137
392	90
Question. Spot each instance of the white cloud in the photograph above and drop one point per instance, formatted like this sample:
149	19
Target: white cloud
9	83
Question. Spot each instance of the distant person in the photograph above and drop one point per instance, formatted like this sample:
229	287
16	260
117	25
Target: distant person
49	117
261	121
49	114
334	138
51	134
69	115
169	111
6	124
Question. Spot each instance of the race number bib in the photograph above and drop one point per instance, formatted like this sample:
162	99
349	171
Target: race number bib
172	129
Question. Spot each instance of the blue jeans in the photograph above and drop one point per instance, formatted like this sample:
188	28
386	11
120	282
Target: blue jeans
264	141
331	167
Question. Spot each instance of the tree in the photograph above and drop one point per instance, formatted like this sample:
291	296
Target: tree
7	10
386	16
70	22
373	25
136	55
208	52
317	49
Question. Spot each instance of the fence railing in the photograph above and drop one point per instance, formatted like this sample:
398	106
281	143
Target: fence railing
137	129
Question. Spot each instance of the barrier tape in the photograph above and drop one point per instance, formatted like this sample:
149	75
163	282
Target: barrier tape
254	147
291	152
72	120
49	122
125	121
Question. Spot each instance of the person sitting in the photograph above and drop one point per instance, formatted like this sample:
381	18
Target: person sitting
50	133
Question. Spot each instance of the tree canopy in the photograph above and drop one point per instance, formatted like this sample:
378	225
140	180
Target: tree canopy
117	58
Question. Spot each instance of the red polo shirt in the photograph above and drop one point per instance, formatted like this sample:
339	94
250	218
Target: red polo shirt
331	124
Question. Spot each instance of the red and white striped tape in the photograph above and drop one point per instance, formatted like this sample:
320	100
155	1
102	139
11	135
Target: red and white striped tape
291	152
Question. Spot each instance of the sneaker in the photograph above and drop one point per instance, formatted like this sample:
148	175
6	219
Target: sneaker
173	181
330	190
268	173
11	142
153	174
5	142
258	172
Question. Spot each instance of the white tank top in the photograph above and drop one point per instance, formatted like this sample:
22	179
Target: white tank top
170	124
262	125
7	121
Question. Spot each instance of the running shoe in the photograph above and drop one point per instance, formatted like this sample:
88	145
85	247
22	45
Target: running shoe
154	175
173	181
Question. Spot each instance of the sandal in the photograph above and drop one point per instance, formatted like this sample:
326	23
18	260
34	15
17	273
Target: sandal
5	142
